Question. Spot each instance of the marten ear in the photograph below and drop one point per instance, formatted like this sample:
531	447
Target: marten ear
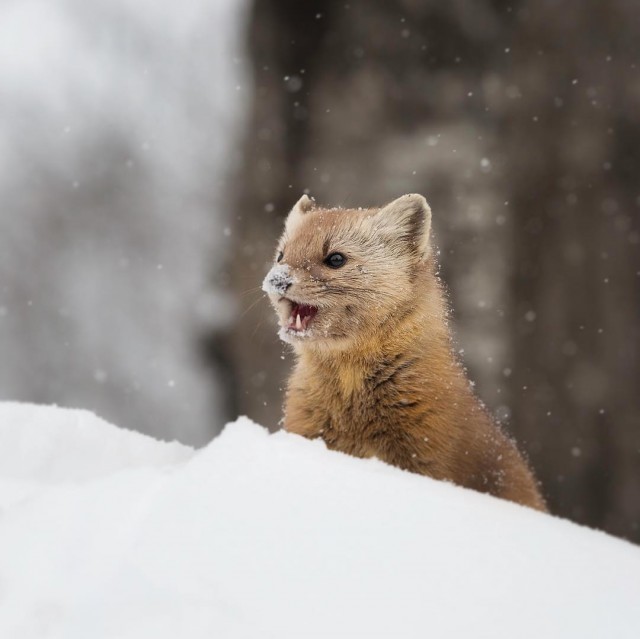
408	217
302	206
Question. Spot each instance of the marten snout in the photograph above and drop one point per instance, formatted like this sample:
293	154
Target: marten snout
278	280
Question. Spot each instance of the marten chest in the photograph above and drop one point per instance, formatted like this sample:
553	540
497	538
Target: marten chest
382	417
353	426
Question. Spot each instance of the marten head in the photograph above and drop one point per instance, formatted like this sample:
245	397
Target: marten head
340	274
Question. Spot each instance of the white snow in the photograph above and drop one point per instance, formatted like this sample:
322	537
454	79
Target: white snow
108	533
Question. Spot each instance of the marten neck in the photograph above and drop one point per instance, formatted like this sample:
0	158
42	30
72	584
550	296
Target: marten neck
421	336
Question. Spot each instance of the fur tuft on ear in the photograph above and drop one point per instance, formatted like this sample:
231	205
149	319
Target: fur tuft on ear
302	206
410	218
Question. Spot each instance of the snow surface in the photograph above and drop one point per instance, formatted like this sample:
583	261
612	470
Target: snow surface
108	533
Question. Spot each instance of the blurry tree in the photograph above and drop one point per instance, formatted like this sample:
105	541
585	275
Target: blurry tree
518	121
572	134
115	132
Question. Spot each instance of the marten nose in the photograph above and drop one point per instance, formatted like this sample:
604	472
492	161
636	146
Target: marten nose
278	280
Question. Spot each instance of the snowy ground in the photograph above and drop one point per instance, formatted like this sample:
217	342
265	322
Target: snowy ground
107	533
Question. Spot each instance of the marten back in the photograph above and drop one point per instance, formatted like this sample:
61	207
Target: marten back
357	296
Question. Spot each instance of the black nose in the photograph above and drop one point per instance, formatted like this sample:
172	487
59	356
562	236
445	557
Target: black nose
282	286
280	283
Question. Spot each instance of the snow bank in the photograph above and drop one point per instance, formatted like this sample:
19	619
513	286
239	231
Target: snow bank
108	533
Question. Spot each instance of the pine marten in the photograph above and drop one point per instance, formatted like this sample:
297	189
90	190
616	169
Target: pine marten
358	297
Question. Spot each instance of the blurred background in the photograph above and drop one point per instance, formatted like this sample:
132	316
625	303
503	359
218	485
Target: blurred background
149	151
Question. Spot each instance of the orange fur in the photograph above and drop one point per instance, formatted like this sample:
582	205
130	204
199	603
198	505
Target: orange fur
375	374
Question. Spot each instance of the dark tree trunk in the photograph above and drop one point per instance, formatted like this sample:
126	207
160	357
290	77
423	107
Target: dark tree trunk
532	179
575	281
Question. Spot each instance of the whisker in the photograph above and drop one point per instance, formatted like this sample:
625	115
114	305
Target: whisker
351	289
347	287
255	289
251	306
253	277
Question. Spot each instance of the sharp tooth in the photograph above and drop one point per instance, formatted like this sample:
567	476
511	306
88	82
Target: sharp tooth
298	322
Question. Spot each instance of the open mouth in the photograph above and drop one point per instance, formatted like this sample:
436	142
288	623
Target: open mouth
300	316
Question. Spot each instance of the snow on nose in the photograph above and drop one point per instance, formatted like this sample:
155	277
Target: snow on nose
278	280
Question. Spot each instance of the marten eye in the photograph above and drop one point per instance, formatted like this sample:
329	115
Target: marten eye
335	260
280	256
